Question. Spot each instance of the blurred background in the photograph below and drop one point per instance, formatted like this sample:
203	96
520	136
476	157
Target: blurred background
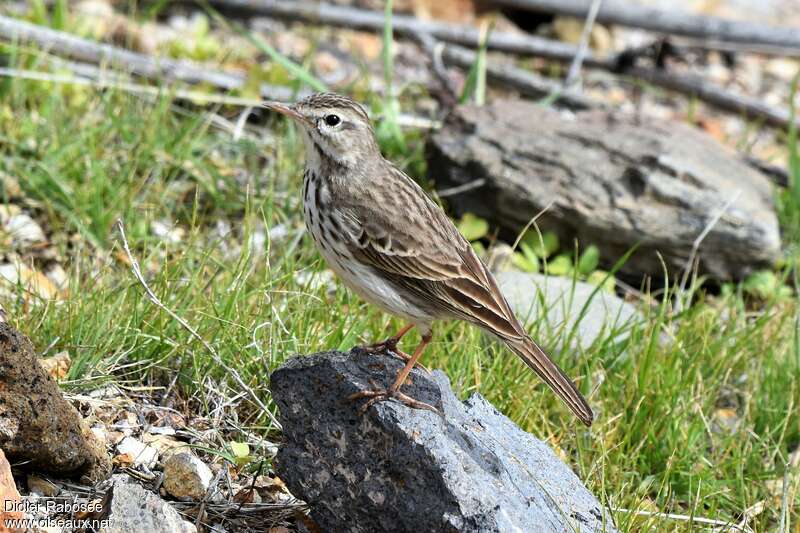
629	169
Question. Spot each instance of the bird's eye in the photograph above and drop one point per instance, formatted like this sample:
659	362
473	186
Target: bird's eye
332	120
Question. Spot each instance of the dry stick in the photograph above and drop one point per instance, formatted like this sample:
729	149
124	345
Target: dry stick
214	355
363	19
699	240
713	94
525	82
196	97
784	523
684	518
65	44
434	50
667	21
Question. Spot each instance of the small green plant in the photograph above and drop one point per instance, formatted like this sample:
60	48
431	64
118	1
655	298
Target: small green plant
388	130
473	228
536	249
475	83
198	43
766	284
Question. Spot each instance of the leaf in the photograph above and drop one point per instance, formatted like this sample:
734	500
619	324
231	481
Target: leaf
473	227
762	284
589	260
602	279
526	260
240	450
543	246
560	266
60	13
475	83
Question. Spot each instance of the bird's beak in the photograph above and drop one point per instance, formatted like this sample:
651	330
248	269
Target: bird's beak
287	110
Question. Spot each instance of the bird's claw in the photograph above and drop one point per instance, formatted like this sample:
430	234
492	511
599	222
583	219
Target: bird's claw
383	347
389	347
382	395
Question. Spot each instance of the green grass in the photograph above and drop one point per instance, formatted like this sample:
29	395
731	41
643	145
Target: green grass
85	159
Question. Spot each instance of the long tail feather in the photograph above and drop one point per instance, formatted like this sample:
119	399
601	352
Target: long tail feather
555	378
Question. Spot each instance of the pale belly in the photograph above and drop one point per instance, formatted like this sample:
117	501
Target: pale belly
360	278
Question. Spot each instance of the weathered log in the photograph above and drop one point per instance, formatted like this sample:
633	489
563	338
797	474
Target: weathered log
613	181
364	19
74	47
667	21
527	83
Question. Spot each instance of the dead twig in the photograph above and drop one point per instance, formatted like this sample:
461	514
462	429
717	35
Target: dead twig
687	518
67	45
690	262
573	75
434	50
525	82
193	332
751	107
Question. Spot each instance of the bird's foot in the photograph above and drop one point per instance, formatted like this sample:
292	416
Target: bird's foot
384	347
389	347
382	395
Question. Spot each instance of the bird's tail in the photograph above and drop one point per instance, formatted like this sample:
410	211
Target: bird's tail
555	378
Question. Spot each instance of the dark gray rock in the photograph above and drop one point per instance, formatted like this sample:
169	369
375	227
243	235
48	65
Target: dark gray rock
614	181
401	469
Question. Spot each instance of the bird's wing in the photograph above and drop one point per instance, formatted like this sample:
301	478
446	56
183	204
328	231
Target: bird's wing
407	237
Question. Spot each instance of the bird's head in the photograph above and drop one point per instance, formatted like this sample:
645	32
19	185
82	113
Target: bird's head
335	128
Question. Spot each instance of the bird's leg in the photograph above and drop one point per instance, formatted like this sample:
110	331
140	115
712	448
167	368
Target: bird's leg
390	346
382	395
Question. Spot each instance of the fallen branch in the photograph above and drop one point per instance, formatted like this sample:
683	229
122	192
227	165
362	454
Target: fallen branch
668	21
367	20
751	107
77	48
434	49
525	82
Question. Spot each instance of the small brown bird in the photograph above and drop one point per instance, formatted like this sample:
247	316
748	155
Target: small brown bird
391	244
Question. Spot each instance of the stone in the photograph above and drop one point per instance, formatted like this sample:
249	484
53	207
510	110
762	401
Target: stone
24	230
611	180
9	496
37	425
58	365
564	301
42	487
140	454
401	469
186	476
133	508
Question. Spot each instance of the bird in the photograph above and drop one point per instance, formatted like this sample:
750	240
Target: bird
390	243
